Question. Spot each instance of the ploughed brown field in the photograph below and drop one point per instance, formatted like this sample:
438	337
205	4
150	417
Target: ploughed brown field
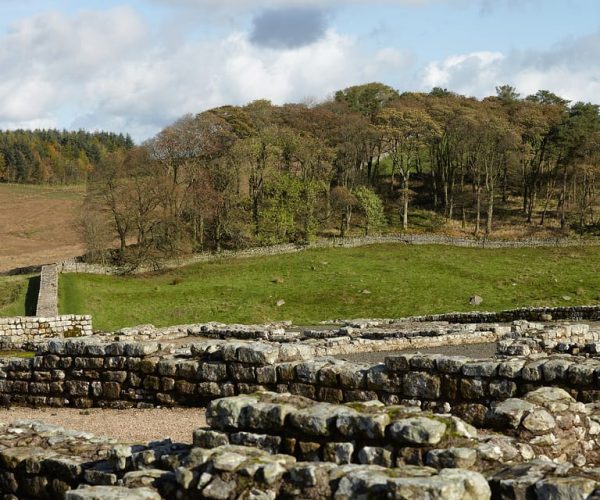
38	224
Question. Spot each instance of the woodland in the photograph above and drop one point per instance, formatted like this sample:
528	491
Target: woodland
54	156
368	160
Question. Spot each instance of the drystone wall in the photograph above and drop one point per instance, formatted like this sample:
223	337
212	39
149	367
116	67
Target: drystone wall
77	264
40	461
120	374
14	332
373	434
573	313
47	302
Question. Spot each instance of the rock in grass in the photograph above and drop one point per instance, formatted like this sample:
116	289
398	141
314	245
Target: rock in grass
476	300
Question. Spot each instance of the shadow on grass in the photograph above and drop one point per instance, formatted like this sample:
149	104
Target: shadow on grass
31	298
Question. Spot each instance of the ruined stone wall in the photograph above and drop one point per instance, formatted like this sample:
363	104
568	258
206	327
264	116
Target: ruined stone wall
371	433
47	302
43	461
574	313
46	461
120	374
18	330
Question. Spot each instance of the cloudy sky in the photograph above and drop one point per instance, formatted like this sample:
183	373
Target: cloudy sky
135	66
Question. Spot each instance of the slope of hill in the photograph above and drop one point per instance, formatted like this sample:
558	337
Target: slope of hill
38	224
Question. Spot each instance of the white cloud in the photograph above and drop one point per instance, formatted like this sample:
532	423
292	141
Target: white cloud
568	69
107	70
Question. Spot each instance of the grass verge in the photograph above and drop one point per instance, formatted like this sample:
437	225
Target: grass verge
316	285
18	295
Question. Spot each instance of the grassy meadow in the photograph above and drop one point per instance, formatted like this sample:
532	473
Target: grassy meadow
18	295
376	281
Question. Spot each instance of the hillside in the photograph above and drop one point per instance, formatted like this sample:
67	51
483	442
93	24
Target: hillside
38	224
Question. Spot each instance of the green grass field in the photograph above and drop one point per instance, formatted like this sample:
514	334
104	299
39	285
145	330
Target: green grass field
375	281
18	295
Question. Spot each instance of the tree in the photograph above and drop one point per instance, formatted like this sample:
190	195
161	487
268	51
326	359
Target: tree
372	207
507	94
406	132
343	202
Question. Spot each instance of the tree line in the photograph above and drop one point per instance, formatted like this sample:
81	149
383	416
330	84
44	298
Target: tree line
237	176
54	156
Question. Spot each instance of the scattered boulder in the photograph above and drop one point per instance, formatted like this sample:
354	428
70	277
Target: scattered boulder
476	300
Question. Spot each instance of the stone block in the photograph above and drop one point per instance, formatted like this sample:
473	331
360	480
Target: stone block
473	389
421	385
77	387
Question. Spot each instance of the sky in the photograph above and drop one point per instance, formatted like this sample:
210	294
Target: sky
137	66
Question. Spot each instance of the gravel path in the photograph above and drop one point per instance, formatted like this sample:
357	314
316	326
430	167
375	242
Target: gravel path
126	425
475	351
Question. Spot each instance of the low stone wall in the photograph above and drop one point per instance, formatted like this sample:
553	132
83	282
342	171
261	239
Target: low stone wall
47	302
76	265
18	330
42	461
48	462
545	423
84	374
574	313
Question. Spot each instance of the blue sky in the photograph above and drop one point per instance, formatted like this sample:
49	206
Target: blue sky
137	66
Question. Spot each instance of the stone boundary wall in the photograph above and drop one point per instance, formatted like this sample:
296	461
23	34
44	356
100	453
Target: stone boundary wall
120	374
19	330
76	265
47	302
574	313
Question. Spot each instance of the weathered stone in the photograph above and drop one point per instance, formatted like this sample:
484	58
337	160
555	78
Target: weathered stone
309	451
265	442
228	461
352	376
218	489
111	493
511	412
141	349
480	369
205	438
475	485
533	370
111	390
399	363
188	369
362	425
77	387
375	455
473	388
338	453
224	413
518	481
539	421
316	420
581	374
417	430
555	369
502	389
421	385
451	364
565	487
554	399
258	354
451	457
